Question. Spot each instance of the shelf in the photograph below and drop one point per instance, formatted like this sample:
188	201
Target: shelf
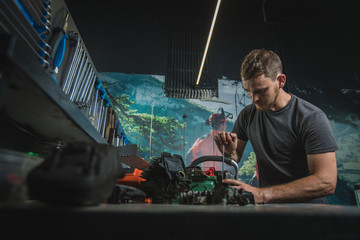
35	102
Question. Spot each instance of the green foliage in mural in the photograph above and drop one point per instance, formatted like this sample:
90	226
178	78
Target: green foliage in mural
137	126
348	155
248	168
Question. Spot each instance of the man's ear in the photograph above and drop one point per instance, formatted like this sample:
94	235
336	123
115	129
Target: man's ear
282	80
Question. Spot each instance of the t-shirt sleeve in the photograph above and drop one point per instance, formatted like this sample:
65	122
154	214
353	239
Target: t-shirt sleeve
240	126
317	135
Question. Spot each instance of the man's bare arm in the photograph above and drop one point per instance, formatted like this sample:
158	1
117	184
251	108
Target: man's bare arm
321	182
239	151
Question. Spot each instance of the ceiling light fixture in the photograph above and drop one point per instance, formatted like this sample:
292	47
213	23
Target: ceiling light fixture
208	41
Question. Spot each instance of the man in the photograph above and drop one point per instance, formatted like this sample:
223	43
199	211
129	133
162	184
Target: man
292	139
205	146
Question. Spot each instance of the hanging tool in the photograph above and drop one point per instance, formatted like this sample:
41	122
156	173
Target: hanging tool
58	40
39	22
84	83
75	78
75	40
14	15
42	8
90	79
90	90
74	71
223	160
79	80
107	105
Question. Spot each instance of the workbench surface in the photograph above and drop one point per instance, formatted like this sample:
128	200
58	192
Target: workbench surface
283	221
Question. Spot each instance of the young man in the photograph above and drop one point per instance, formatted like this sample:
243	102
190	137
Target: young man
292	139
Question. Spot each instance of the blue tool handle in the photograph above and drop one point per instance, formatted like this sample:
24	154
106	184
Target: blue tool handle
98	84
24	11
53	78
60	51
107	101
126	141
102	93
30	18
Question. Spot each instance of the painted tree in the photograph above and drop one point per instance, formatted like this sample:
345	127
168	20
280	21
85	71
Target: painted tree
248	168
166	132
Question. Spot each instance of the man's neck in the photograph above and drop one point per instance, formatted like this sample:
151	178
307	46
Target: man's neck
282	100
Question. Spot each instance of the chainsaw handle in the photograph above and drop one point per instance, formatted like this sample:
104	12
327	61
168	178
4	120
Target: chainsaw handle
216	159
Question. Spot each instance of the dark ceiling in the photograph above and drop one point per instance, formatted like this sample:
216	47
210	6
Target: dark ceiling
315	39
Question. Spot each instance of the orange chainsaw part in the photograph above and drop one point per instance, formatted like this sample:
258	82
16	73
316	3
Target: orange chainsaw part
132	179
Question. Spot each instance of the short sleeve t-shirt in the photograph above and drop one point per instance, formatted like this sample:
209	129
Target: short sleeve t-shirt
282	139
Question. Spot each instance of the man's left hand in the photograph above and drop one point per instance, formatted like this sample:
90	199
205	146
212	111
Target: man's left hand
257	192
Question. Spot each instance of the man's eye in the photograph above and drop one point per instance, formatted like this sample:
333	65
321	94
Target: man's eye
260	91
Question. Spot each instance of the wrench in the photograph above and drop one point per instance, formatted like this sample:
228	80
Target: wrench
84	81
104	121
78	81
26	19
74	67
45	12
90	89
73	55
21	23
77	73
79	97
39	53
99	115
39	22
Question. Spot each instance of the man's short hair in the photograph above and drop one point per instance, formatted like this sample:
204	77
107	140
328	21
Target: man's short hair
261	61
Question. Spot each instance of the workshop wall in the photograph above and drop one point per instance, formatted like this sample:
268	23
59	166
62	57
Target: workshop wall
140	104
176	123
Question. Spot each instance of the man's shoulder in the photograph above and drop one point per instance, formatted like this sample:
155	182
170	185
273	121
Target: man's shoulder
306	111
246	114
248	109
305	107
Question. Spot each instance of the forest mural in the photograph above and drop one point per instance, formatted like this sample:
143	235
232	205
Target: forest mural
158	124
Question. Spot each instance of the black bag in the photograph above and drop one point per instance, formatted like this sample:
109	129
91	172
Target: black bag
79	174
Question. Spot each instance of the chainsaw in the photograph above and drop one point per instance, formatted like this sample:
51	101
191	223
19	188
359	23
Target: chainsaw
167	180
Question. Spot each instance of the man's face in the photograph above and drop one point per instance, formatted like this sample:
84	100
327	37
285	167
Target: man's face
262	91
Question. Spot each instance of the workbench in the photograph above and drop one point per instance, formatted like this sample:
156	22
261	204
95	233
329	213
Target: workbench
170	221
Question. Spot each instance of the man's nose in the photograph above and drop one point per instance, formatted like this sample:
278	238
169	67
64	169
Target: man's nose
254	98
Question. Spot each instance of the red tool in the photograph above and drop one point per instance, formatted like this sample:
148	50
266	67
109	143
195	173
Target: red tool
133	179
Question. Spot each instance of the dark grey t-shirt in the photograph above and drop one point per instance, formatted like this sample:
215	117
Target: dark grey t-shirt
282	139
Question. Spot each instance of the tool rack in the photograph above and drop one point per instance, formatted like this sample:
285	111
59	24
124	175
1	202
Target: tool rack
50	90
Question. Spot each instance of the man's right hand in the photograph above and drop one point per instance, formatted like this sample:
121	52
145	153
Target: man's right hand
230	141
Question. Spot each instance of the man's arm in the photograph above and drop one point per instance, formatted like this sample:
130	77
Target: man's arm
321	182
239	150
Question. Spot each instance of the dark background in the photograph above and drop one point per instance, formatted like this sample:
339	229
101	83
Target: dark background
318	41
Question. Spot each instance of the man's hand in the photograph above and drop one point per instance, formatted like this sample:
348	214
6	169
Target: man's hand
321	182
230	141
257	192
